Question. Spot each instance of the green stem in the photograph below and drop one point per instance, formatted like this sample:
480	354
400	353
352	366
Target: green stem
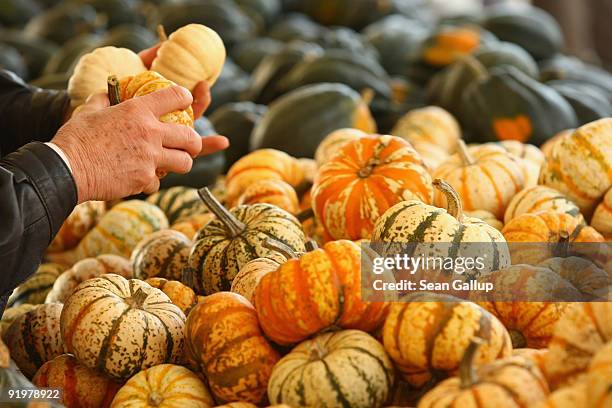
233	226
114	91
467	369
453	202
281	248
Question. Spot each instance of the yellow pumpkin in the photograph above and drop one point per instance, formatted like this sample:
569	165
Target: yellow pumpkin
191	54
529	157
602	218
431	124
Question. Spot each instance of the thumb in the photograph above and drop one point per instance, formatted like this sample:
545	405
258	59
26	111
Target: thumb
93	103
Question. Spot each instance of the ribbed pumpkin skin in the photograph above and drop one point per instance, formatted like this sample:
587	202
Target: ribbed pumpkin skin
581	332
250	274
574	396
363	180
599	378
178	203
216	256
35	289
488	183
86	269
119	326
540	198
573	161
190	226
81	386
487	217
12	313
275	192
164	386
529	157
151	81
118	232
512	382
161	254
319	290
34	338
426	340
82	219
223	335
602	218
259	165
431	124
181	295
333	142
345	368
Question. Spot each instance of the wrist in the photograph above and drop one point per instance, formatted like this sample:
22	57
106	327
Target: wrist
74	163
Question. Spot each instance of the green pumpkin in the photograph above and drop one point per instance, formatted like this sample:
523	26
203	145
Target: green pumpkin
15	13
12	61
342	38
130	36
35	51
178	202
342	67
34	290
234	238
236	121
250	53
65	59
509	105
231	84
263	86
588	101
530	27
63	22
117	12
265	10
295	26
298	121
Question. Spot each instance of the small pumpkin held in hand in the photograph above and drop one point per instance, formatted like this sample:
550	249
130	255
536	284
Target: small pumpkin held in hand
119	326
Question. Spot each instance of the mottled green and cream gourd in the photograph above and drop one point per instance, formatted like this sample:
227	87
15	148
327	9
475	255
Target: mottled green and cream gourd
161	254
234	238
348	368
118	232
12	313
178	203
35	289
120	327
87	268
540	198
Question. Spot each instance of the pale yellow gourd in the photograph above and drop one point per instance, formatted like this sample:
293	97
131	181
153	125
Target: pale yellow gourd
92	70
191	54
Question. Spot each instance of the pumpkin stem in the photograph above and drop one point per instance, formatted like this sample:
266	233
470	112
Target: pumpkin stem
562	248
305	215
318	351
114	92
161	33
518	340
464	154
233	226
467	370
138	298
311	245
453	202
367	170
367	95
155	399
282	248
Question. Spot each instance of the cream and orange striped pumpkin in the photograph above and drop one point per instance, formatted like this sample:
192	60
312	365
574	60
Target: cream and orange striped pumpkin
368	176
164	386
118	232
250	274
316	291
427	335
334	142
546	148
599	378
540	198
574	396
580	165
271	191
259	165
119	326
81	386
485	179
602	218
82	219
223	336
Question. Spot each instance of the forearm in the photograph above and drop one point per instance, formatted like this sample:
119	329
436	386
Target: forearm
27	113
38	193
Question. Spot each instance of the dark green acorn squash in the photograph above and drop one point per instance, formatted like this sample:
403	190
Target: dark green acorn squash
130	36
236	121
266	10
263	87
339	66
342	38
295	26
67	56
230	85
205	169
35	51
509	105
297	122
225	17
57	81
530	27
61	23
406	96
11	60
117	12
250	53
15	13
397	40
588	101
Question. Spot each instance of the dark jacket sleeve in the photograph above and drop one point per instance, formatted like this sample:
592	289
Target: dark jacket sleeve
37	193
28	113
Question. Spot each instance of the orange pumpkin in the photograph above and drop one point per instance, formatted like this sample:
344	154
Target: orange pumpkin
223	335
599	378
260	165
602	218
427	336
181	295
271	191
81	386
368	176
485	180
193	224
333	142
574	396
449	44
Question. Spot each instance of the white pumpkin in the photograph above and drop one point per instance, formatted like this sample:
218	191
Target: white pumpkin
92	70
191	54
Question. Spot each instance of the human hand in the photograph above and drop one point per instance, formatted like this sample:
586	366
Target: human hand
114	151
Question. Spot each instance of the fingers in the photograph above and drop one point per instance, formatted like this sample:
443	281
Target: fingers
94	103
175	161
212	144
181	137
164	101
147	56
201	98
152	186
